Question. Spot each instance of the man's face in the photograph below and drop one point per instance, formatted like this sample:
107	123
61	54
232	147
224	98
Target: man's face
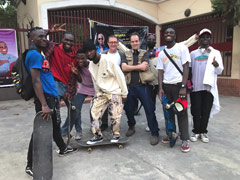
39	38
170	35
67	42
3	48
113	43
81	59
91	54
135	42
100	39
151	41
205	39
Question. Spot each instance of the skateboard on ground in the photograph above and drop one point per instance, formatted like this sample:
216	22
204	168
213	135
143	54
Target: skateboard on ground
170	125
105	142
42	148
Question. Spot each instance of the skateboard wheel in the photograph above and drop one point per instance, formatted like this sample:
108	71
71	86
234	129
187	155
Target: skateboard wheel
120	146
73	107
89	150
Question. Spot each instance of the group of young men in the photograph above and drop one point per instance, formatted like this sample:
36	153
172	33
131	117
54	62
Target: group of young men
120	79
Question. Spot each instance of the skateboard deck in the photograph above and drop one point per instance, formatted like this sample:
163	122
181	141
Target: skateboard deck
42	148
170	125
105	142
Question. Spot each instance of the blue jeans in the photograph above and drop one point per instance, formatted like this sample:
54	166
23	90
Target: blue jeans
61	88
144	95
75	118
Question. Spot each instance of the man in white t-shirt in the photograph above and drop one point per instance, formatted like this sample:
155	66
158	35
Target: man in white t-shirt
172	83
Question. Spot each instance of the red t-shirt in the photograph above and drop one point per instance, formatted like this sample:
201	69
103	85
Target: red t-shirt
59	63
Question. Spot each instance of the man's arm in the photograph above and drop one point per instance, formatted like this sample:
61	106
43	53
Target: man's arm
190	41
122	47
140	67
160	80
37	86
121	80
183	91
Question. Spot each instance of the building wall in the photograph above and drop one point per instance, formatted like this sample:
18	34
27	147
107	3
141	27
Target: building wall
173	10
236	53
28	12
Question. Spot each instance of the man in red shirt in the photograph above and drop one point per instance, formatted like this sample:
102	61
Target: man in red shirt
61	56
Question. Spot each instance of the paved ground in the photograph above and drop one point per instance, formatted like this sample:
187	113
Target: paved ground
219	159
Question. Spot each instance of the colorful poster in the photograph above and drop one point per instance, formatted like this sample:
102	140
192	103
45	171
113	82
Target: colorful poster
8	55
122	32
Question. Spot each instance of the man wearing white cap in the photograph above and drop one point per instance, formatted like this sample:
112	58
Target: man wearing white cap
206	64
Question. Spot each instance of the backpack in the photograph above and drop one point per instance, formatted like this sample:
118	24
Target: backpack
22	79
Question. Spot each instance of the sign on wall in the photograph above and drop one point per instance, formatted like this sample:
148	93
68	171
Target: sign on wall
8	55
122	32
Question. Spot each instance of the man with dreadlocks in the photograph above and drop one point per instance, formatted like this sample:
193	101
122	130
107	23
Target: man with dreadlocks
46	96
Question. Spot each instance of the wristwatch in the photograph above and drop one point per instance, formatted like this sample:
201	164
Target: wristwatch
183	85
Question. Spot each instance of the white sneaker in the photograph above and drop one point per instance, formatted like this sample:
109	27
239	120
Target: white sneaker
204	138
78	136
147	129
194	137
115	139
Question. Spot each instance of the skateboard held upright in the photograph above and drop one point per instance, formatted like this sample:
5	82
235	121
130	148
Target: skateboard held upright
42	148
170	125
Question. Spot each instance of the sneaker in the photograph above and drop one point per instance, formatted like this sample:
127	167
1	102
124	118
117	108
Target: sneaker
131	131
165	140
194	137
78	136
29	172
147	129
154	140
95	139
67	151
185	146
65	137
204	138
115	139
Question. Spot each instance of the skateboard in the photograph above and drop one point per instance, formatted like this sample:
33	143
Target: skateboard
42	148
69	121
120	144
170	125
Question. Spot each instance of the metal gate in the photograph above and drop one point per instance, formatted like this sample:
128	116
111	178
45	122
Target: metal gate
77	21
222	35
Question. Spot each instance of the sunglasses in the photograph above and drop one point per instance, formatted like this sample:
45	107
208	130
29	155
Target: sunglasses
100	38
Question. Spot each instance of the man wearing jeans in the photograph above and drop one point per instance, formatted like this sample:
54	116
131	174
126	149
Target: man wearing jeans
135	63
171	81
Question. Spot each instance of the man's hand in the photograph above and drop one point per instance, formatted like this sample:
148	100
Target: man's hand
3	62
215	63
183	92
57	28
46	112
160	94
73	68
143	66
124	99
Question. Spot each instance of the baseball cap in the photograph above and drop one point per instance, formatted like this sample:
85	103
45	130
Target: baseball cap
205	30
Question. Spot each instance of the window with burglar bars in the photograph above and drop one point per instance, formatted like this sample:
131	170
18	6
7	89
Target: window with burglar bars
77	21
222	35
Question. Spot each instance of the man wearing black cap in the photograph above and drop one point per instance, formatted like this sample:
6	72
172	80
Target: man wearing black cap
206	64
110	91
